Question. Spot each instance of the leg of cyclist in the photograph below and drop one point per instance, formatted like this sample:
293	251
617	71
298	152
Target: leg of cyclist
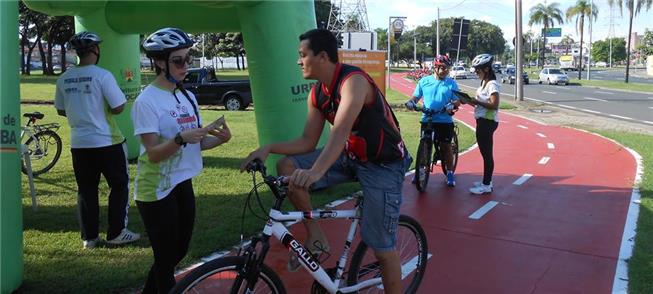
382	184
339	172
444	135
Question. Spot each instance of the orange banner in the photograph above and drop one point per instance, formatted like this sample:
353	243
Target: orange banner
372	62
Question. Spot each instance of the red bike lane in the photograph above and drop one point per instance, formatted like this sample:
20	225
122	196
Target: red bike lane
553	224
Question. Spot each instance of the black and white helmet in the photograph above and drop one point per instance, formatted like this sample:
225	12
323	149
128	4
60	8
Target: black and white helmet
482	60
84	40
164	41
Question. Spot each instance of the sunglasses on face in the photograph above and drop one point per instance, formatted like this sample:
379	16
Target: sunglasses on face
441	68
179	61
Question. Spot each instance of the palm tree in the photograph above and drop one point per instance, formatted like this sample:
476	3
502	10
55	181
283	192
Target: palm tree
634	7
546	15
580	10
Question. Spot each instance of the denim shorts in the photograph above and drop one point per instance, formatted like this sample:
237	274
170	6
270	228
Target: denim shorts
381	184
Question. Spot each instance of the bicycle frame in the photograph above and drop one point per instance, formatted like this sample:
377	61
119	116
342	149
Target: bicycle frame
274	227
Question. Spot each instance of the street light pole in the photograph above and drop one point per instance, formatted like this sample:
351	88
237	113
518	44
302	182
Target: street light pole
437	35
390	31
518	53
589	48
414	48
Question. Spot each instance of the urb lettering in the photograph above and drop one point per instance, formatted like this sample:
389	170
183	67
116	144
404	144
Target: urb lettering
304	255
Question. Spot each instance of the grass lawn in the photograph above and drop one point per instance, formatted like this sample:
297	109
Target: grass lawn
55	261
618	85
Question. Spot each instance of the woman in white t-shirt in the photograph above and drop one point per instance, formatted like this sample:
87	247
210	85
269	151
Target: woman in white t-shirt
167	120
486	108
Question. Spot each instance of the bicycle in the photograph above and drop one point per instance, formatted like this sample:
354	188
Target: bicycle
41	139
428	140
247	272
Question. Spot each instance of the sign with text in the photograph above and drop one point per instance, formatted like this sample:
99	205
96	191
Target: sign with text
372	62
553	32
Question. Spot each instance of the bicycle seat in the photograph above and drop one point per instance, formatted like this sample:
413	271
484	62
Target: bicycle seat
34	115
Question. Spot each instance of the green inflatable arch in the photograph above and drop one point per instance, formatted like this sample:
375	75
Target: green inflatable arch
270	31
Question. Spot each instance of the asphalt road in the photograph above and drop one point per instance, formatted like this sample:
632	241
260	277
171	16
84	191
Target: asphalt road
637	75
628	106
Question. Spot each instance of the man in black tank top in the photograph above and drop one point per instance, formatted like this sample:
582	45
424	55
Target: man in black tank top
370	151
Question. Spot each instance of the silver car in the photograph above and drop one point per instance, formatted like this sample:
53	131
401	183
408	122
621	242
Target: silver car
553	76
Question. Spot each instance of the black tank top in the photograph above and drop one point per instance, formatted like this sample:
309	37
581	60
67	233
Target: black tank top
375	135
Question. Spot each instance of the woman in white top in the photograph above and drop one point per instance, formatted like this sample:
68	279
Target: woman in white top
167	120
486	111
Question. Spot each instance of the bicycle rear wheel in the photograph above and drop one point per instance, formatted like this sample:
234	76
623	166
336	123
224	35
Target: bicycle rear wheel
423	164
413	254
222	276
454	152
44	149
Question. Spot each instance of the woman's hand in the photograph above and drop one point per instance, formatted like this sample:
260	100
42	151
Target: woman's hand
193	136
224	133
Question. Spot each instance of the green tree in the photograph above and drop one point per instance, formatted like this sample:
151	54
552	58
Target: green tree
545	15
581	9
634	7
568	42
646	46
322	11
484	37
601	50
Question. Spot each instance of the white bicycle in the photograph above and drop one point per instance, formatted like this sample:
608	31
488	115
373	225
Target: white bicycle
247	272
42	144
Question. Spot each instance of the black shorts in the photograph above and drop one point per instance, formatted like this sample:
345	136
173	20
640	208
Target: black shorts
443	131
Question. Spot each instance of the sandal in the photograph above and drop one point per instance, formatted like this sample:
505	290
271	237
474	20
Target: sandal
317	249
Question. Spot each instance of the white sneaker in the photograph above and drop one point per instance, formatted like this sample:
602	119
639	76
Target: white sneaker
479	183
126	236
88	244
482	189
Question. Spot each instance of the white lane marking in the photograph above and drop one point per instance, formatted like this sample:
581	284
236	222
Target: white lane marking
541	135
595	99
648	122
550	146
601	92
552	93
408	267
591	111
564	106
523	127
621	117
651	98
522	179
651	107
544	160
483	210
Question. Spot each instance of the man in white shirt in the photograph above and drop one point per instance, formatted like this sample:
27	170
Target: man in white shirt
89	97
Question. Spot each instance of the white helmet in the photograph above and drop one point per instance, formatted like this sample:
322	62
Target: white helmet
164	41
482	60
84	40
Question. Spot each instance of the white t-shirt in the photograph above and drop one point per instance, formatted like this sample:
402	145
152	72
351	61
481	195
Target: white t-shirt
157	111
87	93
483	93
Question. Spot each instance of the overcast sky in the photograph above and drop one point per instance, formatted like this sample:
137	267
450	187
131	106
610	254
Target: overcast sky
502	14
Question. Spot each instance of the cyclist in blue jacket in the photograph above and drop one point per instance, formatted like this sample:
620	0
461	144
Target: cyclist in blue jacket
436	92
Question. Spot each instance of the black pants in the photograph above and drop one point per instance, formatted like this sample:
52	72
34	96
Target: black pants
88	164
484	137
169	224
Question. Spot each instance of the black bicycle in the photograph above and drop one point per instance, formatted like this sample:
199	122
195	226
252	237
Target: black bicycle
427	142
42	145
247	272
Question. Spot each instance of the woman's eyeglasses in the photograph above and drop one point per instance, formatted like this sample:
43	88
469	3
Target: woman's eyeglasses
179	61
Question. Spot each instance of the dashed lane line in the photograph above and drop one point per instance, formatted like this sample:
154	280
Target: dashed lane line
595	99
552	93
550	146
602	92
544	160
541	135
523	127
522	179
478	214
621	117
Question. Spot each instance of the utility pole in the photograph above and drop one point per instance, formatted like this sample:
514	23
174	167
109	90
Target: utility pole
414	48
437	34
611	34
589	47
519	39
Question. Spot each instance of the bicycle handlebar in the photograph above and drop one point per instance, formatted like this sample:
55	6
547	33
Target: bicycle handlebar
428	111
257	165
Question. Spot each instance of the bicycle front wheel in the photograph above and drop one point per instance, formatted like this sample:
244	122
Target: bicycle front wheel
413	254
222	275
423	164
44	149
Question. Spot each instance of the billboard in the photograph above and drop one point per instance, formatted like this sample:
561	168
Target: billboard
372	62
553	32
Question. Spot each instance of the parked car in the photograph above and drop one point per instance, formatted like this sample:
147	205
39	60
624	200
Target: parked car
553	76
510	76
233	94
601	64
458	72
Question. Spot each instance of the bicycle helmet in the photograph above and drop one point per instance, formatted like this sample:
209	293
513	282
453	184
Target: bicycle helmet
442	60
84	40
160	43
482	60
